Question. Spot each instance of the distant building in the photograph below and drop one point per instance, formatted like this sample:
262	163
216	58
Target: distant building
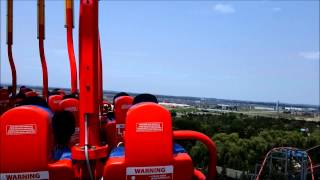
227	107
173	105
264	108
293	109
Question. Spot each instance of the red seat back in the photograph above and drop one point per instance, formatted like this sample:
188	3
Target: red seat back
31	94
54	102
148	135
72	105
121	107
148	150
25	139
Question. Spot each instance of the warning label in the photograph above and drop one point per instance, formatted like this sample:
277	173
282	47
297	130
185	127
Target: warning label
120	129
71	109
125	106
149	127
25	175
21	129
149	173
56	101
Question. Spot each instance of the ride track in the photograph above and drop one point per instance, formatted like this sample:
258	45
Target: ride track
277	149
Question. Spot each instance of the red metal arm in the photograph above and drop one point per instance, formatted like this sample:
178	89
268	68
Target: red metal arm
72	59
41	37
100	77
9	43
183	135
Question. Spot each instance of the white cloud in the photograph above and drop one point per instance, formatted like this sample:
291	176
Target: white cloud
310	55
276	9
224	8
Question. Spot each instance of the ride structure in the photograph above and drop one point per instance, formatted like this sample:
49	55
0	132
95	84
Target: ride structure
72	59
41	38
147	149
10	43
286	162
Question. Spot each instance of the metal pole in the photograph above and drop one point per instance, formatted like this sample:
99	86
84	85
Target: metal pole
69	5
9	43
41	37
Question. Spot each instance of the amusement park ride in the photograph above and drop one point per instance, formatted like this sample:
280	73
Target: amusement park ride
137	144
140	140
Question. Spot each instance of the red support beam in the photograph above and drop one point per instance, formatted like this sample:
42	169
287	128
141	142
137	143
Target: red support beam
41	37
89	148
9	43
100	76
88	55
69	4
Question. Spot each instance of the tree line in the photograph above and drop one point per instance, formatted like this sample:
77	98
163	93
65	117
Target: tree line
242	141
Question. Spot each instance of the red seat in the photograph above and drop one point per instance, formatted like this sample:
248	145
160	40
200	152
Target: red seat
54	102
148	150
31	94
116	128
26	146
72	105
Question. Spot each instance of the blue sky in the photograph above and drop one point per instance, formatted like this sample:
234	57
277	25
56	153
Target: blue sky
246	50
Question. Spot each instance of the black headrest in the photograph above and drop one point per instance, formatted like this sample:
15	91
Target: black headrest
74	95
22	87
20	95
144	98
34	100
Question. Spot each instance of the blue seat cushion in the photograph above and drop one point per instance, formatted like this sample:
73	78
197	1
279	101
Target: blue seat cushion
119	151
61	153
177	148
